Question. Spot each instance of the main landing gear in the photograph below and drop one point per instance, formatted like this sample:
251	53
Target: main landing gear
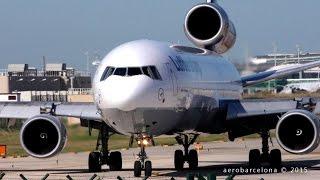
274	157
142	162
102	156
191	156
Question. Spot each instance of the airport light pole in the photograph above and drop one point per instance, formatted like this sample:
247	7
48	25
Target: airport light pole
211	1
274	53
298	49
86	53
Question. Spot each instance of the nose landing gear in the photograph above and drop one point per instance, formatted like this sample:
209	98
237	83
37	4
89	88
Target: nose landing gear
142	162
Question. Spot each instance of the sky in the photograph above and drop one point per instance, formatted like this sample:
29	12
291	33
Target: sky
64	30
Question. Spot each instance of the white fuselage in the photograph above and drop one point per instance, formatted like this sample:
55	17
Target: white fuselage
188	88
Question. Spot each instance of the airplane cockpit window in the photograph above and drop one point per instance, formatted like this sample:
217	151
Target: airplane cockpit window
120	71
134	71
146	71
155	73
150	71
107	72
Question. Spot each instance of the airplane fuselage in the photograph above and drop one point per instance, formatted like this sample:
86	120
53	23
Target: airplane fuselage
154	88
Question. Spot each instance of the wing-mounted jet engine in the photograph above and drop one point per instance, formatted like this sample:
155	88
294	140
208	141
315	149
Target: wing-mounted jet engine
43	136
298	131
208	26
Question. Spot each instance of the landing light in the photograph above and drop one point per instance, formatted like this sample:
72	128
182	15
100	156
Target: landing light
145	142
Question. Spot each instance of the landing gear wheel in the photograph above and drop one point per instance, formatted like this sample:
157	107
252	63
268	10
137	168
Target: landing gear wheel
137	169
254	158
148	168
115	162
186	156
94	162
275	158
178	160
193	159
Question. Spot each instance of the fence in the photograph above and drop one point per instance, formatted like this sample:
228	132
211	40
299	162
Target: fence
191	176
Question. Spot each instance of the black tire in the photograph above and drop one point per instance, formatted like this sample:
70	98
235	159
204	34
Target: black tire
148	168
94	162
193	159
115	161
137	169
254	158
275	158
178	160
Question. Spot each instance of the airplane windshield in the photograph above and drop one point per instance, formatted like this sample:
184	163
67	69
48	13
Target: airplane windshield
146	71
155	72
120	71
134	71
108	72
150	71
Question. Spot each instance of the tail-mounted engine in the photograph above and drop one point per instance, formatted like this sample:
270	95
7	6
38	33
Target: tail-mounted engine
43	136
208	26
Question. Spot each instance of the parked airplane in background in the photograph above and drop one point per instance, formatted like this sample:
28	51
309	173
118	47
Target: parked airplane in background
145	88
311	87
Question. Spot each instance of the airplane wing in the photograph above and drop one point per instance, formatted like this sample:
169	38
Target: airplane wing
25	110
238	109
249	116
272	74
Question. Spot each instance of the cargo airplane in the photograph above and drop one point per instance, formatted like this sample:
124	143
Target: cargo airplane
144	89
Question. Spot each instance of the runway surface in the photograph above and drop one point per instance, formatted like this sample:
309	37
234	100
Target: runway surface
216	158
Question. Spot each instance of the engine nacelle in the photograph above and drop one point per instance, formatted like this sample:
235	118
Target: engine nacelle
43	136
208	26
298	131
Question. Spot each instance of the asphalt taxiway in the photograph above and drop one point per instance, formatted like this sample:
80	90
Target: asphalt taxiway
219	158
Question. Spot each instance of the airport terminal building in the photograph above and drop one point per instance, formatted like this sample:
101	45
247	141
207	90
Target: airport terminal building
54	83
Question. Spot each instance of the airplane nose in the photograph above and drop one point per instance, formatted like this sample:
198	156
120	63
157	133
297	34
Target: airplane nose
126	93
